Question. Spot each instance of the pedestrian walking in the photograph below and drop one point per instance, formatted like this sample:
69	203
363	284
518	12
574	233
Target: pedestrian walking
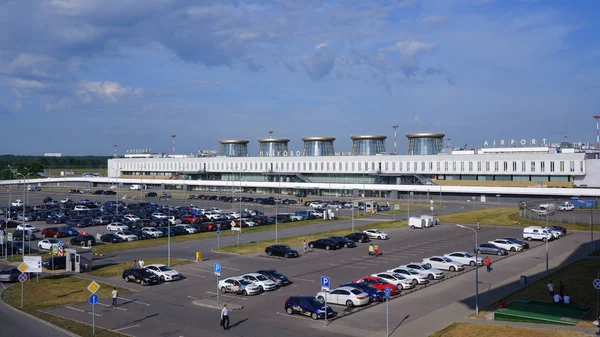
488	264
478	226
225	318
551	288
115	295
305	246
141	263
135	264
561	289
376	250
371	250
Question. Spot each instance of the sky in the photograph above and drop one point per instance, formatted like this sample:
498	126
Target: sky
79	76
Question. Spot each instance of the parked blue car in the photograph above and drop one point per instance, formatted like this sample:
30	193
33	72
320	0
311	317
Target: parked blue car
374	293
307	306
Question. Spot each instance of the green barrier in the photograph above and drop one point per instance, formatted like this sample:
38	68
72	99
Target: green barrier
541	312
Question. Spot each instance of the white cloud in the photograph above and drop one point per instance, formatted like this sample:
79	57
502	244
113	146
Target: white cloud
22	83
106	91
410	49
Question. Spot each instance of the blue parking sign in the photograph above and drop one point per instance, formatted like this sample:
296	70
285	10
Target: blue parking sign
217	269
325	282
60	244
218	231
387	292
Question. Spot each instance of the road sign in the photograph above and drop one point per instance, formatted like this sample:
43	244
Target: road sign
34	263
232	223
325	282
431	202
387	292
22	267
22	277
60	251
54	248
218	231
93	299
596	283
93	287
1	232
9	237
396	207
60	243
217	269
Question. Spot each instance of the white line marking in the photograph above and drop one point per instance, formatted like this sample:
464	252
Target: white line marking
202	270
134	301
194	275
303	279
192	297
230	268
127	327
87	312
110	306
337	265
3	286
225	295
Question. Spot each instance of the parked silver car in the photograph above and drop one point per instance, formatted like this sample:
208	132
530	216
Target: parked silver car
489	248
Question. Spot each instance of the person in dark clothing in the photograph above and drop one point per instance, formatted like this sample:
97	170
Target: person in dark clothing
561	289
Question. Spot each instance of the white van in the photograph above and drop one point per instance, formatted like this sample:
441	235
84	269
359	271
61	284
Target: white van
135	187
547	209
536	233
430	220
414	222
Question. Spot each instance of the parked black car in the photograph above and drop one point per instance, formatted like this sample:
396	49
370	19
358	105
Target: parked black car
79	240
560	228
60	262
281	250
358	237
141	276
151	195
9	274
140	234
324	244
18	234
343	242
275	276
111	238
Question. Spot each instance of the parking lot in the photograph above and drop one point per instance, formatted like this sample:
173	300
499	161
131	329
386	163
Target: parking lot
156	309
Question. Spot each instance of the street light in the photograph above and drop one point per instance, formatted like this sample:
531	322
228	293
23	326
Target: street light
476	270
23	215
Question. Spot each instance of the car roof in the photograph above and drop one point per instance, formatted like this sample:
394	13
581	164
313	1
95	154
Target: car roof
456	253
252	274
344	288
156	265
237	278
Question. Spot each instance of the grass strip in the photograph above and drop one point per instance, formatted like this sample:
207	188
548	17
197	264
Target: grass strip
109	248
501	216
113	270
57	291
486	330
259	246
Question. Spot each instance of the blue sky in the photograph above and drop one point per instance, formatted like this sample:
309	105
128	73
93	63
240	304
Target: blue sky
77	76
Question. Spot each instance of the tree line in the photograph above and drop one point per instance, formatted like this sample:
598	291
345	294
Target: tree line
10	165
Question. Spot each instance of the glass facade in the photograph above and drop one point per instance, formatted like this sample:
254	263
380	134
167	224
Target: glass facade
368	145
272	147
318	146
233	148
425	144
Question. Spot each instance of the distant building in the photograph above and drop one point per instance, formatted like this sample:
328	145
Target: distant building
52	154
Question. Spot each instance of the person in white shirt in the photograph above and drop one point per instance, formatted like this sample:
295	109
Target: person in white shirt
551	288
141	263
115	295
567	299
225	318
557	298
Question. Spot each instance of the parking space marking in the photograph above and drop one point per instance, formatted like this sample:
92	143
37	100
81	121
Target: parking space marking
303	279
87	312
195	275
192	297
134	301
230	268
292	316
225	295
106	305
126	327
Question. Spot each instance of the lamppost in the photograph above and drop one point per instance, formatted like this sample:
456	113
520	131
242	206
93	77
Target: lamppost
476	270
23	215
276	209
352	216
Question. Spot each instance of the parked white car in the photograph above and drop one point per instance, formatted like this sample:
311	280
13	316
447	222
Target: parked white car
566	207
28	227
396	279
126	235
189	229
117	226
376	234
262	281
163	272
315	204
213	215
502	243
216	209
415	276
17	203
131	217
155	233
238	285
65	200
348	296
81	208
443	263
47	244
425	269
464	258
159	215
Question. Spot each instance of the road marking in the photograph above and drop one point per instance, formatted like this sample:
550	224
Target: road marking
87	312
202	270
225	295
3	286
106	305
192	297
291	316
195	275
364	264
134	301
229	268
337	265
126	327
303	279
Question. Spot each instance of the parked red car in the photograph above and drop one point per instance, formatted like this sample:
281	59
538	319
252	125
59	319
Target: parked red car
379	283
53	232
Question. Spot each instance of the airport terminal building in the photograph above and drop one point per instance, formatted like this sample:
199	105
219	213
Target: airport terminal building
368	170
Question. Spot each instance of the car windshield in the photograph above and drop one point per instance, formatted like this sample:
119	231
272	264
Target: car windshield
275	273
447	259
399	277
146	273
315	302
468	255
245	282
285	247
413	272
424	266
53	241
356	291
261	278
163	268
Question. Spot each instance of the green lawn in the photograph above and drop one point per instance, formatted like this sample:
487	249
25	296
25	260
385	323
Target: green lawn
58	291
502	216
485	330
259	246
113	270
108	248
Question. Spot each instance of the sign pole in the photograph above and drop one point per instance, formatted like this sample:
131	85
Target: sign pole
326	308
597	297
218	241
93	319
22	289
218	290
387	317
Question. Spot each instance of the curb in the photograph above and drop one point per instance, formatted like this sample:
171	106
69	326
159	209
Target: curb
215	251
66	332
204	305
